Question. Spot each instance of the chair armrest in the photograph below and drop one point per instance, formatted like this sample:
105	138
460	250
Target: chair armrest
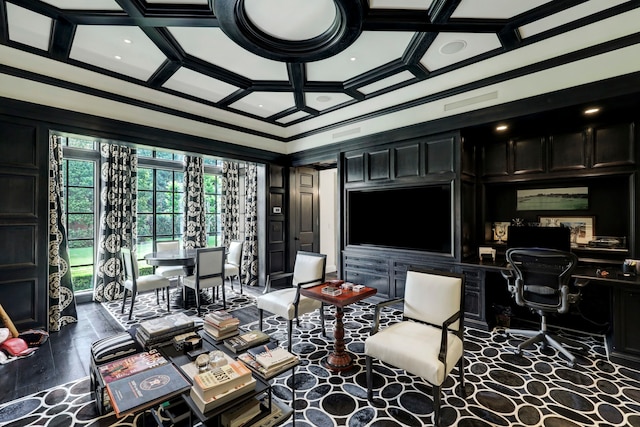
580	283
379	307
442	355
277	276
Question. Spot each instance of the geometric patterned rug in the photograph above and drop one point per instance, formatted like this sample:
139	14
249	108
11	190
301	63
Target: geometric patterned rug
146	306
502	388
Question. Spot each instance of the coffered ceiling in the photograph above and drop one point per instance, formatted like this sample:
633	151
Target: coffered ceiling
289	75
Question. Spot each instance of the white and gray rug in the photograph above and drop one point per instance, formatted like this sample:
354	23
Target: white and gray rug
503	389
146	306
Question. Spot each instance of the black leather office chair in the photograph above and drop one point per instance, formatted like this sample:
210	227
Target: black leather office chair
540	279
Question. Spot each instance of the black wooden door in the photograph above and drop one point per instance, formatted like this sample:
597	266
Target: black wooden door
305	214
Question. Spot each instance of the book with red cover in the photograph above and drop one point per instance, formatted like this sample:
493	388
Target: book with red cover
130	365
146	389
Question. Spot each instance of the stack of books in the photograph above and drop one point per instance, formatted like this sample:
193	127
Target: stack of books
242	414
220	325
210	404
156	332
221	379
245	341
141	381
268	359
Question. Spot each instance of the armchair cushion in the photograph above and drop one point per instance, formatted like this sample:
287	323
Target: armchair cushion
280	302
414	347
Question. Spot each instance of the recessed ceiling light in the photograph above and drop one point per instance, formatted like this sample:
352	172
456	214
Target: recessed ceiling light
118	57
591	110
127	41
452	47
260	105
353	58
502	128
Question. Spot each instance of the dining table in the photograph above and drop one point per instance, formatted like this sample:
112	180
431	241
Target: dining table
184	257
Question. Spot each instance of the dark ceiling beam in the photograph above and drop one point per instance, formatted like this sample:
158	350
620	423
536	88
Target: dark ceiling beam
509	37
163	73
391	20
216	72
61	39
441	10
417	47
297	77
4	26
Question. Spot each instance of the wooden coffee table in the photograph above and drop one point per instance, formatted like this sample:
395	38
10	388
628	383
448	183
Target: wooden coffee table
338	359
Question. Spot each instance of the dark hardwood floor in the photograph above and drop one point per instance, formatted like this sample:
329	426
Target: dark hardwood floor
63	358
66	354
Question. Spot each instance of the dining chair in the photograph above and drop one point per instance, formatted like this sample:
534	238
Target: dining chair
232	265
169	271
136	284
428	341
308	270
208	273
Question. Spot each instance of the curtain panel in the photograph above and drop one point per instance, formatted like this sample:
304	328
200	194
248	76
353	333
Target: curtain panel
195	221
249	265
230	215
62	303
118	227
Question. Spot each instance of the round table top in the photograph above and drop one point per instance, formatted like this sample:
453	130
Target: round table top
186	257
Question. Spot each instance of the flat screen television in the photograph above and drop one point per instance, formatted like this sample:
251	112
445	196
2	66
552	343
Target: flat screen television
414	218
539	237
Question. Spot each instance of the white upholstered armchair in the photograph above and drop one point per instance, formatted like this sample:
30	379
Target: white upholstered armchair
309	270
428	342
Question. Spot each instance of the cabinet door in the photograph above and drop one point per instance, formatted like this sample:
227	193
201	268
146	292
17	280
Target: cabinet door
626	314
379	282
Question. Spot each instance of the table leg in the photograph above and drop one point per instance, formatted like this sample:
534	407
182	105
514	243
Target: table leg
339	359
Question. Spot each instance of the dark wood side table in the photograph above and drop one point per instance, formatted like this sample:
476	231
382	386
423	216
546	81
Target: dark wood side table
338	359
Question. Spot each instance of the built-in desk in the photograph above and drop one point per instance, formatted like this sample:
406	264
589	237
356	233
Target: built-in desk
610	305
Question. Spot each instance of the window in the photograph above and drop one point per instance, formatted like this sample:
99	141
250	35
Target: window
159	207
79	175
159	204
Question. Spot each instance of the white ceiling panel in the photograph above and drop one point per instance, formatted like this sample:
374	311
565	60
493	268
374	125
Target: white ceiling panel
181	2
107	47
265	104
400	4
85	4
28	27
567	16
372	49
323	101
442	53
198	85
388	82
211	45
495	9
292	117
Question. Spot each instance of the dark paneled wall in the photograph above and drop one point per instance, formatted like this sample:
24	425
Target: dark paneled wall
24	222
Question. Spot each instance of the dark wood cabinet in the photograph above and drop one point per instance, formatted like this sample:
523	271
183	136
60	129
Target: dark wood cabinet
372	271
626	313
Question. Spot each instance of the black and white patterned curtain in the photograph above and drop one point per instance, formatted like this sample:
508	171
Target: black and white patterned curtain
194	224
250	253
62	303
118	229
230	216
